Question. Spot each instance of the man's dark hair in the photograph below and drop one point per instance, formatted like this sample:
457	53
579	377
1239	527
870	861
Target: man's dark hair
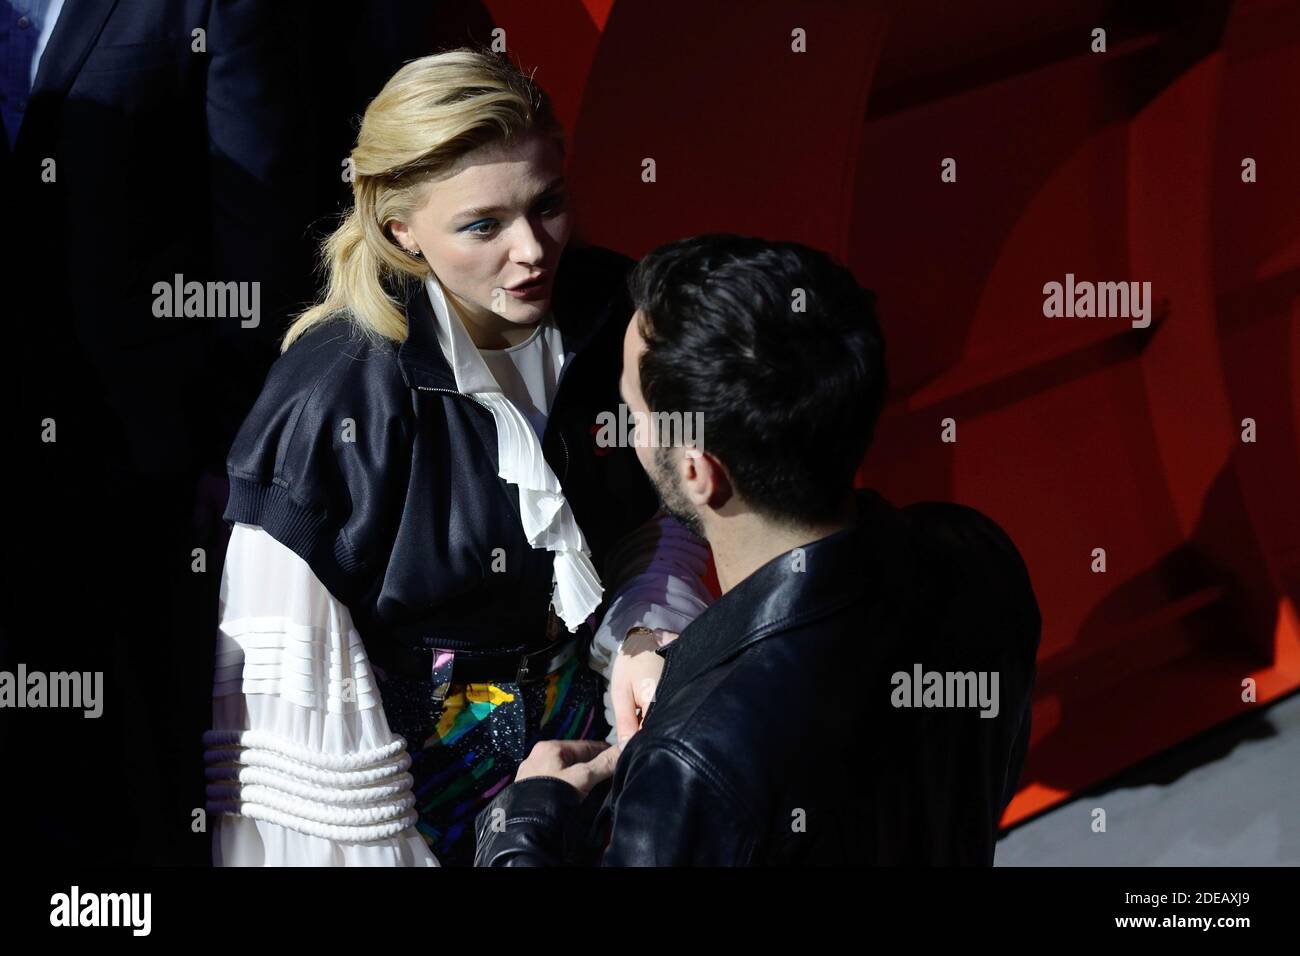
778	347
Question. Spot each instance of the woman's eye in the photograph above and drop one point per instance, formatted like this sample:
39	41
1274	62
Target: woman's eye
486	228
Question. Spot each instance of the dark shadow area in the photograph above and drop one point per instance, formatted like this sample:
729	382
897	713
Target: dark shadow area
222	165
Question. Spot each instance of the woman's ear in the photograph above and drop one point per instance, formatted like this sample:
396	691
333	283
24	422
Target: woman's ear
401	233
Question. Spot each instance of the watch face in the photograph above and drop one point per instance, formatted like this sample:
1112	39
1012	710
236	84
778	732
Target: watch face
661	637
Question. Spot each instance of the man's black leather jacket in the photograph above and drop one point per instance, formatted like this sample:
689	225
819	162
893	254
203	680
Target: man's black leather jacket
778	735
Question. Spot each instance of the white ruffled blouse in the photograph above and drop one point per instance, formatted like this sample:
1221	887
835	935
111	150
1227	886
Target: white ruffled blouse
302	767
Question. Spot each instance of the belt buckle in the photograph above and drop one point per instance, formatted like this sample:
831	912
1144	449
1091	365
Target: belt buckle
554	627
557	658
444	661
521	674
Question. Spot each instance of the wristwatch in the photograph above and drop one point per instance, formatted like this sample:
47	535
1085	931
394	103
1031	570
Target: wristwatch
657	633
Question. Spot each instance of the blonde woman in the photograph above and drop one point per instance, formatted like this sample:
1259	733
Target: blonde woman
434	562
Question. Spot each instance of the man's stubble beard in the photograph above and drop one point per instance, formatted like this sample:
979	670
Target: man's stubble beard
665	481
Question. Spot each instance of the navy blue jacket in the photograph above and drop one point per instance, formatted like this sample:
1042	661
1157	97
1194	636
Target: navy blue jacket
403	522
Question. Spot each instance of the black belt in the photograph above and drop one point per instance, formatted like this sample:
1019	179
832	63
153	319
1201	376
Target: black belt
446	666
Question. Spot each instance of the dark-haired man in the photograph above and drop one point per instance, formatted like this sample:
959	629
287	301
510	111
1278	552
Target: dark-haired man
860	694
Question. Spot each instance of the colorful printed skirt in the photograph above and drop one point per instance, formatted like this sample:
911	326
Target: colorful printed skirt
465	749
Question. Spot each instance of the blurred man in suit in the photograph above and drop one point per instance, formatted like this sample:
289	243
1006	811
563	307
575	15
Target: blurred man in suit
142	142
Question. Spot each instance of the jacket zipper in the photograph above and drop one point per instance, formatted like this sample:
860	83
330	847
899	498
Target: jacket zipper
452	391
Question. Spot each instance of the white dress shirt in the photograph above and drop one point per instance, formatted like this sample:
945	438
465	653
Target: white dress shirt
303	768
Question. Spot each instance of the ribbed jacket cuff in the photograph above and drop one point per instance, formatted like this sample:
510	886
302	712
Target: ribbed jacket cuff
302	530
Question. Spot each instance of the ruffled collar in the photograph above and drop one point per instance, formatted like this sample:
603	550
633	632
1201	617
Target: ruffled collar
548	520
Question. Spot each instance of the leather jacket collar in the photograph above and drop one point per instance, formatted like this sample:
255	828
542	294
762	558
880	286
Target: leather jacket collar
785	593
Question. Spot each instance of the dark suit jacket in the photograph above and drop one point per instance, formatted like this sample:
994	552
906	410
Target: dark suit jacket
140	159
778	734
221	165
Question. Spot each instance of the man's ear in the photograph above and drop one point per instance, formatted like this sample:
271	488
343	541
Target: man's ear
704	479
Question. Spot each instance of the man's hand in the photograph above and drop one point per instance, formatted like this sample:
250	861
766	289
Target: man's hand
580	763
635	677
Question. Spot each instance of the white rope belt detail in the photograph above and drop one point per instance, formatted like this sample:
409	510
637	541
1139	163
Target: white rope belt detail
230	778
354	797
338	834
262	740
323	778
319	812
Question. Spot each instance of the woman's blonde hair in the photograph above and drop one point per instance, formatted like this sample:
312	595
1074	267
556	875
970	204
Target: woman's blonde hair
431	113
